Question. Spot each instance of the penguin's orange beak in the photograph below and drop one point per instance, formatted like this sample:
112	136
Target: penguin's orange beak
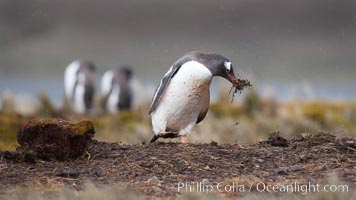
233	80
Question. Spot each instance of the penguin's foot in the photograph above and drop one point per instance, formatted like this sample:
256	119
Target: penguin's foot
164	134
183	139
168	134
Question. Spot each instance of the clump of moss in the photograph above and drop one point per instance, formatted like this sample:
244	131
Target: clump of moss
55	139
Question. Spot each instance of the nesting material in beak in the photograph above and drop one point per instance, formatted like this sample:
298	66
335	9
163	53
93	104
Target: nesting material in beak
238	84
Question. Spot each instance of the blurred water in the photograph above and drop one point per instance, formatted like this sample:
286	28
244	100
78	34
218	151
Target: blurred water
304	90
30	87
27	89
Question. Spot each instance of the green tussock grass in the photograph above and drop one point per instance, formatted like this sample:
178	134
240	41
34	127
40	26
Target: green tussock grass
248	120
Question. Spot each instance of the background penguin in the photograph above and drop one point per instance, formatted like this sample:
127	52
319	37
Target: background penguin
79	85
182	97
117	89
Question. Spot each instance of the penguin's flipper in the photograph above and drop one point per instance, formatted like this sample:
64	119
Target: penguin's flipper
165	82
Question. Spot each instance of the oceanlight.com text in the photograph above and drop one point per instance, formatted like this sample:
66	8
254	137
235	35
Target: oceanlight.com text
207	187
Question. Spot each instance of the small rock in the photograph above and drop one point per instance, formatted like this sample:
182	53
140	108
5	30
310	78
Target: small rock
282	170
260	160
295	168
55	139
68	174
213	143
153	180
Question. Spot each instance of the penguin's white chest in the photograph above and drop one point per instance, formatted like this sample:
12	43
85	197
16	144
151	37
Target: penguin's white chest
186	96
79	92
113	100
70	78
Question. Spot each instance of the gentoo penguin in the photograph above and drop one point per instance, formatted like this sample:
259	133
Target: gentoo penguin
116	89
182	97
79	85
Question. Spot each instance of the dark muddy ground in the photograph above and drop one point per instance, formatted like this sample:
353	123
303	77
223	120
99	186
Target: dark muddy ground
156	169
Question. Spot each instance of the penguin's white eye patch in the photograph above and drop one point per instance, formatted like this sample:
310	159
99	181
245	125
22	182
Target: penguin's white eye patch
227	65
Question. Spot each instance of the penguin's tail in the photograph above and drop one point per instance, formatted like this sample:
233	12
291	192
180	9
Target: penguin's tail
154	138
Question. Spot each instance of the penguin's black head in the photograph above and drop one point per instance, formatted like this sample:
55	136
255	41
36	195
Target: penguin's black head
218	65
127	71
224	69
87	65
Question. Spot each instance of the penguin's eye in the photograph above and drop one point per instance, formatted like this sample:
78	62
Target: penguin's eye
227	65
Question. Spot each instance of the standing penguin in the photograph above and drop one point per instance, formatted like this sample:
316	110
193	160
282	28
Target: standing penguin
117	90
79	85
182	97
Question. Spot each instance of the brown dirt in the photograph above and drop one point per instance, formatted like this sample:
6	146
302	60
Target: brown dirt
156	169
